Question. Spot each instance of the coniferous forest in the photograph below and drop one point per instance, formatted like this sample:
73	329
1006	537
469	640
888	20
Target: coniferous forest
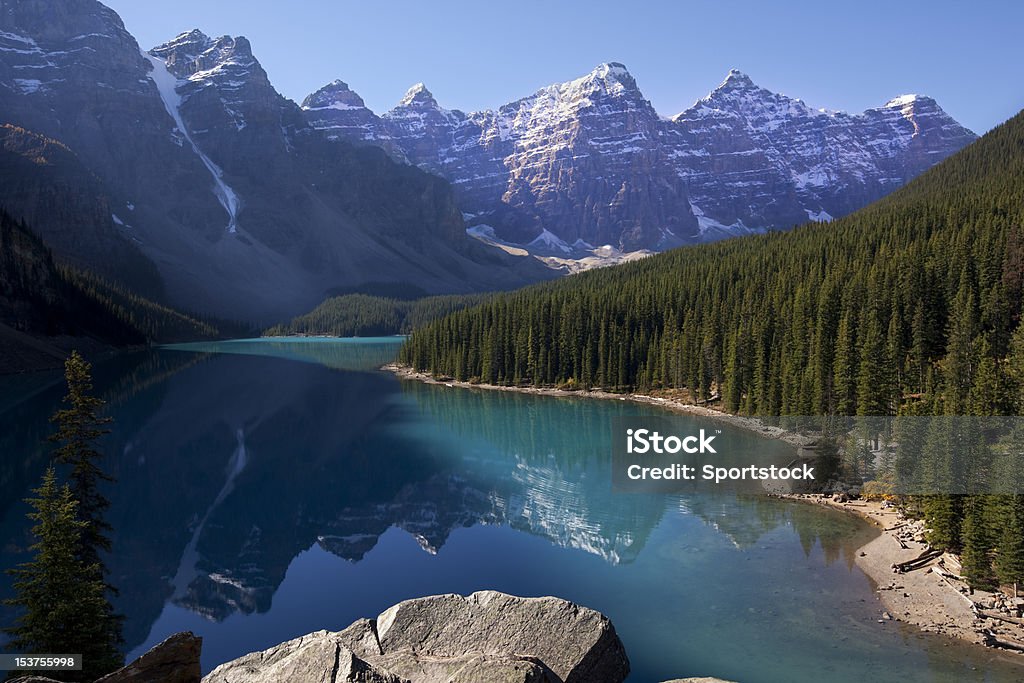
48	300
910	306
363	315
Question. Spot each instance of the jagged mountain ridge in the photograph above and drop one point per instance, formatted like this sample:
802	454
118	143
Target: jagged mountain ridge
217	181
590	162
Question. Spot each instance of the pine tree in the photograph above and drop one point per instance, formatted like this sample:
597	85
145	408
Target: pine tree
1010	546
874	379
976	560
63	603
78	428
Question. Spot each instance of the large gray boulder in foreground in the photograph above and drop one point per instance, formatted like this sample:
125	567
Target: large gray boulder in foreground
487	637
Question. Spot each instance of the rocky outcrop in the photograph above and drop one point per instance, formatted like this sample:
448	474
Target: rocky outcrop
188	158
590	162
487	636
175	660
321	656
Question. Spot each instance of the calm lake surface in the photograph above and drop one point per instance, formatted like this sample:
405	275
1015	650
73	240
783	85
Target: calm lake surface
271	488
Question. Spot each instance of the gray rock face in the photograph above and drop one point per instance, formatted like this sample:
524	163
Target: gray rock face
202	168
319	657
483	638
591	161
342	115
175	660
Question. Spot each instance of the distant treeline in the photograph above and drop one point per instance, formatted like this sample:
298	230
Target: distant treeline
909	306
155	322
40	297
362	315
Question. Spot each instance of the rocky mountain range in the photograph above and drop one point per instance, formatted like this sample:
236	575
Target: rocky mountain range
188	177
183	174
590	162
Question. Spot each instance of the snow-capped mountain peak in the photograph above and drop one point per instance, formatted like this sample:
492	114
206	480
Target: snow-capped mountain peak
738	95
902	101
195	56
736	79
334	95
911	106
590	159
613	73
608	79
418	96
188	38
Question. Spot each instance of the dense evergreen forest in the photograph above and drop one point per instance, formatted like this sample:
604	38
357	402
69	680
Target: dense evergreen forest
909	306
45	301
362	315
154	321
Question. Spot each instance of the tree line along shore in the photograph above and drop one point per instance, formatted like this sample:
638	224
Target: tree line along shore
911	306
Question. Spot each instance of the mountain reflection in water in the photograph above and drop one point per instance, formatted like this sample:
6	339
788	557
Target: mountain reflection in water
234	460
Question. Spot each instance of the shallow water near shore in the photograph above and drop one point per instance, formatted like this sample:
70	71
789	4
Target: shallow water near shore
269	488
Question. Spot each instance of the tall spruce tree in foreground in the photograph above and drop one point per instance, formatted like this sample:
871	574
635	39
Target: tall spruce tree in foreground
63	601
79	426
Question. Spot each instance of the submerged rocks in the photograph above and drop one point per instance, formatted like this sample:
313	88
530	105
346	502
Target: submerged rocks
487	636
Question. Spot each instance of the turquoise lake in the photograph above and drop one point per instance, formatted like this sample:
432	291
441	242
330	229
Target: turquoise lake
270	488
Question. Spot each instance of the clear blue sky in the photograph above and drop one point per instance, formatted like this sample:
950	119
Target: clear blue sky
476	54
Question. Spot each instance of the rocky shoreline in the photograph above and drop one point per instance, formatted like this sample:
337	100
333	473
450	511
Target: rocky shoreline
931	597
485	637
748	423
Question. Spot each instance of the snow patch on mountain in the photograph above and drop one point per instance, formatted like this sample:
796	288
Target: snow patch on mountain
591	160
548	240
167	86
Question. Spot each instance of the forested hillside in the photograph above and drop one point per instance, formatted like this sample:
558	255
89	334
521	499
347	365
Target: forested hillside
46	309
361	315
902	301
909	306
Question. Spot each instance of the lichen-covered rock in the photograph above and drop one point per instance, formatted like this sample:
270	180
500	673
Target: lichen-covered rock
487	637
470	668
575	643
319	657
